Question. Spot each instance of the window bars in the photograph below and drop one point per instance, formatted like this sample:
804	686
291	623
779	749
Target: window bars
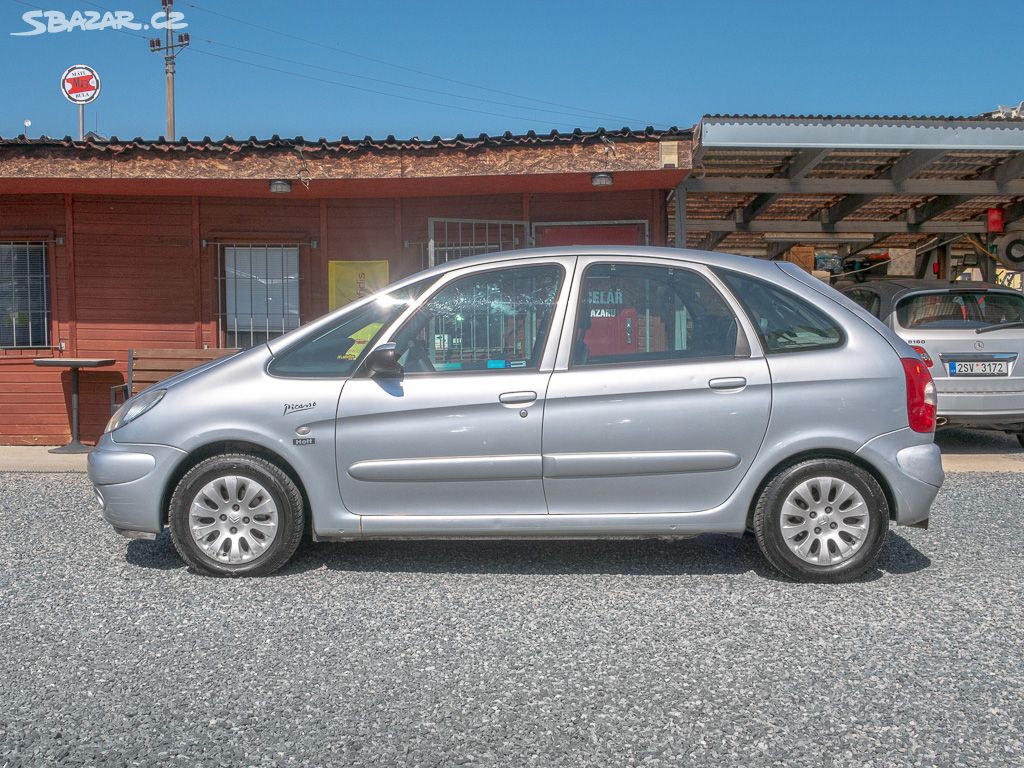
258	292
24	296
457	238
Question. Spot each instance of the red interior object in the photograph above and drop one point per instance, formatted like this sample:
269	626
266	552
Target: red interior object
995	220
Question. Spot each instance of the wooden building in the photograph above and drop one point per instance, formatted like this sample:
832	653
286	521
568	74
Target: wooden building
109	245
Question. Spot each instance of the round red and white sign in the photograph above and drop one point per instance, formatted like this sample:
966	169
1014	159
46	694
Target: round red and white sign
80	84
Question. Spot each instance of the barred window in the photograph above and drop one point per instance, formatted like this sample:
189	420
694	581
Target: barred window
24	296
259	296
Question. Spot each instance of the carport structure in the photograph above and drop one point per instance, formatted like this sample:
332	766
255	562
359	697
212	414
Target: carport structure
761	184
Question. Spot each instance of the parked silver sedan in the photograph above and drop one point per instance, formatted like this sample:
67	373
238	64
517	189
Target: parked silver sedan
971	336
575	392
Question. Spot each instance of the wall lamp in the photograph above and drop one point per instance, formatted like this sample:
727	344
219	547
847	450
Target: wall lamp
601	179
280	186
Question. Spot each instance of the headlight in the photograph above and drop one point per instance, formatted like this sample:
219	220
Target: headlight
134	407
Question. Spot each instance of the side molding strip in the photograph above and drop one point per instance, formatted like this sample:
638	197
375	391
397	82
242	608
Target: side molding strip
637	463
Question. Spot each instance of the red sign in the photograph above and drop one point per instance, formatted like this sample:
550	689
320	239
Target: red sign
80	84
995	220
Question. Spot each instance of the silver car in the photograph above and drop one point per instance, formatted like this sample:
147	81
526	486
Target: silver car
971	336
574	392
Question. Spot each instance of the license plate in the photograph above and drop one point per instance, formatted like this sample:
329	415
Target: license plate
987	368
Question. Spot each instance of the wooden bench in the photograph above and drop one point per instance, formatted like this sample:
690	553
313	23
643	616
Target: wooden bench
150	366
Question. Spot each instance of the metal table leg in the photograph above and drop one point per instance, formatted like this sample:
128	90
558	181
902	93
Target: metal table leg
74	446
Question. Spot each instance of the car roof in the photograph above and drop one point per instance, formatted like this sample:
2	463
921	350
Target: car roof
902	285
710	258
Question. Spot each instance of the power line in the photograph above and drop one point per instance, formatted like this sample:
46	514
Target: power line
408	69
353	87
396	84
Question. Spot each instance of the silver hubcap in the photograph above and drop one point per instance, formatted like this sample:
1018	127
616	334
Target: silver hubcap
233	519
824	521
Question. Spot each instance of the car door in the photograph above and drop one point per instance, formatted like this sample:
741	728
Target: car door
459	432
657	402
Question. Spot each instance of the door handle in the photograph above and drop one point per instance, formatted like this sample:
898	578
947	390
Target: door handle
517	398
732	382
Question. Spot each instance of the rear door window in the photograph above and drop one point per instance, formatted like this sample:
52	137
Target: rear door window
959	309
633	313
784	322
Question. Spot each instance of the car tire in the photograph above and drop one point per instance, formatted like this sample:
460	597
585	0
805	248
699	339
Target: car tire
791	523
236	515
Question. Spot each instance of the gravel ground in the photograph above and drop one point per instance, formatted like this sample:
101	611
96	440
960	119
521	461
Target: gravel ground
612	653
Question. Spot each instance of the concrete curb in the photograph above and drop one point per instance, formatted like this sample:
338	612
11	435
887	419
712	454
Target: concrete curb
37	458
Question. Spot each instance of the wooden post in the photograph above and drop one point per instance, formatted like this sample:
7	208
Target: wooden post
197	273
69	251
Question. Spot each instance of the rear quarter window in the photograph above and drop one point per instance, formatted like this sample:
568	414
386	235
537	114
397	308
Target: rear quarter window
784	321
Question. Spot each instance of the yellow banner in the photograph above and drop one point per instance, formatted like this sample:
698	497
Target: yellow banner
351	280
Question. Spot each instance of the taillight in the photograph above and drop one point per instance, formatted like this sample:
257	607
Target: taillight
920	395
924	356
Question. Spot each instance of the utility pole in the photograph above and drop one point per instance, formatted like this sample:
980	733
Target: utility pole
170	49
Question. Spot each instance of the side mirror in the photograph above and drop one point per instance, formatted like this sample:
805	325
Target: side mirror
383	361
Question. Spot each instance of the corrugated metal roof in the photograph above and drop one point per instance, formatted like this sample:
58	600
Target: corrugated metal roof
230	144
875	118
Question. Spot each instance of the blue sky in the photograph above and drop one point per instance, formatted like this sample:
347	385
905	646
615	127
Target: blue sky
490	67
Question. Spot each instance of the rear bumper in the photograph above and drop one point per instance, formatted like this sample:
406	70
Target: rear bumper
129	481
981	408
913	473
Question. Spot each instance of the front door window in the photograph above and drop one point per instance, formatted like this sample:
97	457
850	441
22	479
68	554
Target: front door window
486	321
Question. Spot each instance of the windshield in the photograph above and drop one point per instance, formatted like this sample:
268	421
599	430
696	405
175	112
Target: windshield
959	309
335	352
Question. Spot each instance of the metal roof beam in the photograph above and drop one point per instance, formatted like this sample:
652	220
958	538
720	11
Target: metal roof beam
861	133
1013	168
713	240
805	162
1013	213
856	248
802	163
912	162
845	207
933	208
844	186
726	227
742	218
680	220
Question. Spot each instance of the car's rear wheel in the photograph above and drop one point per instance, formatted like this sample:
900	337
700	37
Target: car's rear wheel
236	515
822	520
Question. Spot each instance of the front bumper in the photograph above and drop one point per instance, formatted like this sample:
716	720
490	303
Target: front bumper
913	472
130	481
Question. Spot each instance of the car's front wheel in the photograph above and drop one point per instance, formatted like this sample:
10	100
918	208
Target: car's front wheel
236	515
822	520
